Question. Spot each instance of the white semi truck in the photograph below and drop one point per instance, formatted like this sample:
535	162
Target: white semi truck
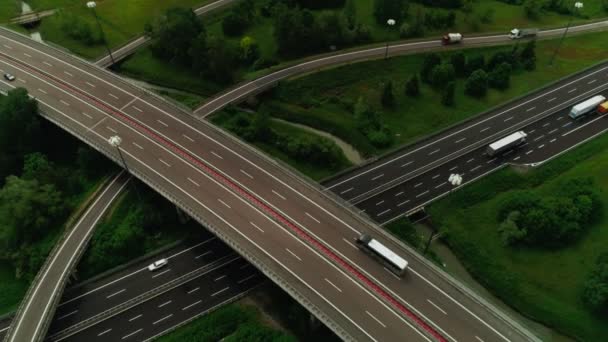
522	33
506	143
586	106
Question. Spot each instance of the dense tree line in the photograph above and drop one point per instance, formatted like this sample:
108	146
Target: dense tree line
42	171
528	217
595	293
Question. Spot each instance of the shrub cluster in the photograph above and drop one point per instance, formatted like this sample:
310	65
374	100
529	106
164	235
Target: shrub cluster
531	218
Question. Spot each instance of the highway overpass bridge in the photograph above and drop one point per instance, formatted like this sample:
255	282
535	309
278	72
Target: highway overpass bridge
297	235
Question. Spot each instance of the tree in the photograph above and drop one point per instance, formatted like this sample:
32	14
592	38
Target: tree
388	98
234	24
333	29
533	9
198	53
389	9
350	12
459	62
413	28
36	166
475	63
595	292
477	84
510	233
221	57
412	87
173	33
442	74
447	95
500	77
249	50
20	130
296	31
428	64
528	55
28	210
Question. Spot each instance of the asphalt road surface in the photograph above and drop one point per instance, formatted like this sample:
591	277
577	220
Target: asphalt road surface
394	185
249	88
34	314
295	234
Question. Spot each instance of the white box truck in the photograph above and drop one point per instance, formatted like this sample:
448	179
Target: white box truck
451	38
586	106
522	33
506	143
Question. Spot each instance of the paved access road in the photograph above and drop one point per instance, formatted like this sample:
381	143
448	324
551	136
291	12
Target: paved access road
293	233
35	312
249	88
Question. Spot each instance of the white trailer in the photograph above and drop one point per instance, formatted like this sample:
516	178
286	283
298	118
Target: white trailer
506	143
586	107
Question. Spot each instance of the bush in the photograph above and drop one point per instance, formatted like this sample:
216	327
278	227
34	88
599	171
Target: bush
442	74
475	63
595	292
532	9
477	84
550	220
412	87
500	77
320	4
389	9
78	29
439	20
234	24
459	62
388	98
447	95
428	64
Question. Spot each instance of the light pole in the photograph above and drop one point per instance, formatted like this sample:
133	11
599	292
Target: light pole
577	6
115	141
92	5
390	23
456	180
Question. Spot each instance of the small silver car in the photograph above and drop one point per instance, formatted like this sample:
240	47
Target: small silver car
157	264
9	77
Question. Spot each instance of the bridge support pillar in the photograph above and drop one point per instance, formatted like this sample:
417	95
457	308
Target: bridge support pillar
181	215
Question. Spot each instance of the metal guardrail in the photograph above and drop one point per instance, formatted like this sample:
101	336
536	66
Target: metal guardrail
363	219
146	296
45	266
261	266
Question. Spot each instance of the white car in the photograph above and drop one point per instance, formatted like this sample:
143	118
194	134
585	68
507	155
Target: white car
157	264
9	77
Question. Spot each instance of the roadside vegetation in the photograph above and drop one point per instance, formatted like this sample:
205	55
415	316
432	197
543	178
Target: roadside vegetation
537	239
313	155
255	35
405	98
44	176
231	323
8	9
74	26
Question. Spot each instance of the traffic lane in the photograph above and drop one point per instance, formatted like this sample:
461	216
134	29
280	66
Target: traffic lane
96	127
355	186
182	304
31	322
112	129
86	307
546	138
174	255
158	165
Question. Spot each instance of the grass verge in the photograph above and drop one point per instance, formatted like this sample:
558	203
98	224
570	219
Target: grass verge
545	285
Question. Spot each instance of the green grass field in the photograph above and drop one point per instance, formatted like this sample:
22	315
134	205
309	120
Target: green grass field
545	285
8	9
324	99
121	20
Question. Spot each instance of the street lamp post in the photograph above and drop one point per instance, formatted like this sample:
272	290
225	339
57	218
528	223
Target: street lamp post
390	23
115	141
456	180
577	6
92	5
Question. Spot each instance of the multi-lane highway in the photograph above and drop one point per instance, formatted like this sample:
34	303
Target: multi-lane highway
37	308
277	221
104	299
401	182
